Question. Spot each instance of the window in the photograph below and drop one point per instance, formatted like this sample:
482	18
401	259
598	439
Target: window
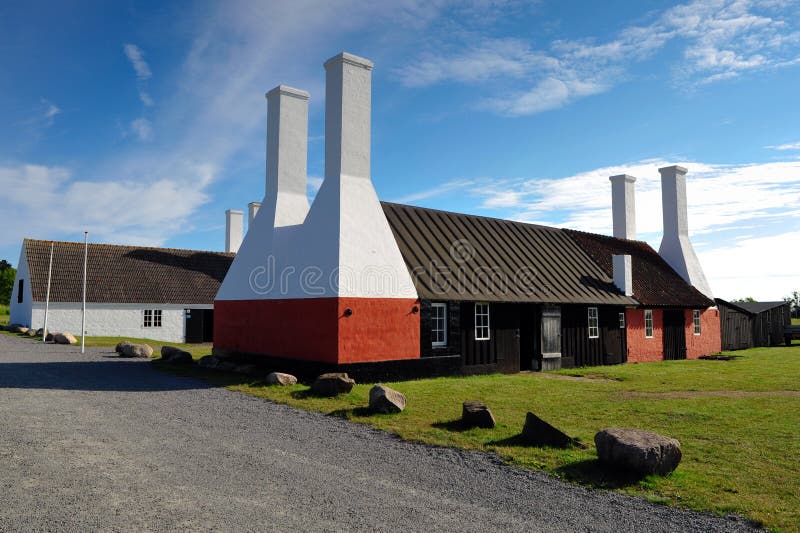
481	322
594	326
696	317
152	318
439	324
648	323
20	291
622	321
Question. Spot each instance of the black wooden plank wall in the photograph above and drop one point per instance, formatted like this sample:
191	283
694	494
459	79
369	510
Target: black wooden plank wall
453	330
736	329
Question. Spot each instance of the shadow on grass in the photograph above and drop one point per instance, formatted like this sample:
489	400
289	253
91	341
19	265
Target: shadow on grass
355	412
721	357
451	425
597	474
519	440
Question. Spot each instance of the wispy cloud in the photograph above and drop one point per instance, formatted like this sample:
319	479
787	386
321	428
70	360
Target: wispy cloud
787	146
142	69
717	40
142	128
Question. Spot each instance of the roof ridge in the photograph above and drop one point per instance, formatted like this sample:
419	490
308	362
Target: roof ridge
128	246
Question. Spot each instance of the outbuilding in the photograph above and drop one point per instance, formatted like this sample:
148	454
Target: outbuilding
138	292
749	324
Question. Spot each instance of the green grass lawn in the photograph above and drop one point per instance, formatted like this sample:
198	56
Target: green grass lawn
795	321
4	314
737	422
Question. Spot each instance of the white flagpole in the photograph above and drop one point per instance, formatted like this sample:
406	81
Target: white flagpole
83	318
47	299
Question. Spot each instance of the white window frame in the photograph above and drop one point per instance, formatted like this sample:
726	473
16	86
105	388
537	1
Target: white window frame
152	318
594	323
648	317
696	321
434	322
622	320
483	330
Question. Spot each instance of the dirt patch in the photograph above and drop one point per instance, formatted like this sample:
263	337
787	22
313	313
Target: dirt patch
687	395
563	377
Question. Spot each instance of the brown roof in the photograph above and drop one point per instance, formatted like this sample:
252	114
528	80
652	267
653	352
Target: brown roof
126	274
453	256
655	283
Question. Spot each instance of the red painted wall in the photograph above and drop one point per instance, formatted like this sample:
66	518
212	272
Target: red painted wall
316	329
640	348
710	339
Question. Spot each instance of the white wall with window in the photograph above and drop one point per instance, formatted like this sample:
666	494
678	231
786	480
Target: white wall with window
648	323
696	321
438	324
594	323
482	330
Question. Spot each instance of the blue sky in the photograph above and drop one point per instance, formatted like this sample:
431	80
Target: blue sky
143	122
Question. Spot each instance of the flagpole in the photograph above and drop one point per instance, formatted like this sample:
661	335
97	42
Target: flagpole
83	318
47	299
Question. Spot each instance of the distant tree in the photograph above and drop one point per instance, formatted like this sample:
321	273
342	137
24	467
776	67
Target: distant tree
794	301
7	275
746	299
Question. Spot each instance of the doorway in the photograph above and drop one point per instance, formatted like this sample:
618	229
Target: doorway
674	335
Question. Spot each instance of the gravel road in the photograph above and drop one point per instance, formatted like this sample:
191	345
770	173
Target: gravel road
93	442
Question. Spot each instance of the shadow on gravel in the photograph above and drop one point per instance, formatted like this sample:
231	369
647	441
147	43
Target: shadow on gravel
119	375
594	473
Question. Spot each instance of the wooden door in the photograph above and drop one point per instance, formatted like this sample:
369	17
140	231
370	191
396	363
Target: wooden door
674	335
194	325
613	333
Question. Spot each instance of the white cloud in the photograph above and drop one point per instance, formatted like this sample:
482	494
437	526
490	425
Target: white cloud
719	39
787	146
136	57
143	129
48	202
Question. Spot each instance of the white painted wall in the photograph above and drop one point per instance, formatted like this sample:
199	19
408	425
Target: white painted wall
234	229
21	312
345	246
114	320
623	206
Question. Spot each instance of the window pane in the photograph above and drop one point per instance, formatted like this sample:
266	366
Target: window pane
438	324
594	327
621	320
481	321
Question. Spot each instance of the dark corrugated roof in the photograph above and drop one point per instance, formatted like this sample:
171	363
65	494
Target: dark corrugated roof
126	274
737	306
760	307
454	256
655	283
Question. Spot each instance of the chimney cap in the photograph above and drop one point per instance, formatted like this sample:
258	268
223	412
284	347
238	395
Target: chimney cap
254	203
623	177
350	59
672	169
234	212
288	91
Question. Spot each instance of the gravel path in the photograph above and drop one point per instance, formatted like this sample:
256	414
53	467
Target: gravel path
93	442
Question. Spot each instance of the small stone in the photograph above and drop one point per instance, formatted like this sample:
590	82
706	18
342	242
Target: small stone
50	336
537	432
278	378
143	351
31	333
638	450
176	356
332	384
121	346
476	414
383	399
64	338
20	329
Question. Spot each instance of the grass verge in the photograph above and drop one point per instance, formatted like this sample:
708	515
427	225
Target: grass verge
5	312
737	422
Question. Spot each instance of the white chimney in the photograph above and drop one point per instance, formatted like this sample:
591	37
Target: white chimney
623	206
234	229
676	248
623	273
252	211
348	102
287	154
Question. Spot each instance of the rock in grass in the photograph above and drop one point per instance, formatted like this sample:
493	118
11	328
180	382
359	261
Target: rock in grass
176	356
120	347
137	350
19	329
31	333
64	338
332	384
476	414
212	362
638	450
382	399
537	432
279	378
50	336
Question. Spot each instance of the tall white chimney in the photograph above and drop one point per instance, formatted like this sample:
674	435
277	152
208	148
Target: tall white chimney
623	206
287	154
623	273
676	248
234	229
252	211
348	102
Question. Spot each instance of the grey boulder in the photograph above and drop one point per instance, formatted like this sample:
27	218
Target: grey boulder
332	384
212	362
383	399
638	450
121	346
64	338
279	378
19	329
176	356
137	350
537	432
476	414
